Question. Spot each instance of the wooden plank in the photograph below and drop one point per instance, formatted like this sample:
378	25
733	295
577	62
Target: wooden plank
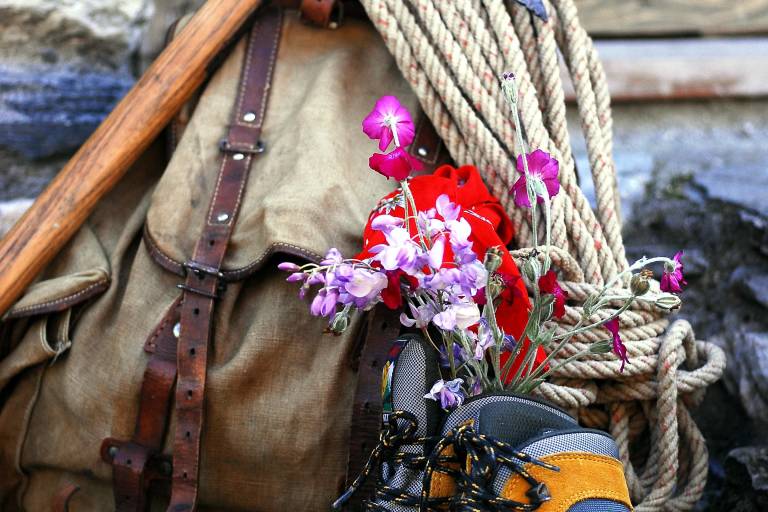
652	69
626	18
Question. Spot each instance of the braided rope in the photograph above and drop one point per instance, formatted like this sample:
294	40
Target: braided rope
452	53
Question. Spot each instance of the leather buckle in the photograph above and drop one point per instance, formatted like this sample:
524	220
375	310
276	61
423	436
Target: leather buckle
226	147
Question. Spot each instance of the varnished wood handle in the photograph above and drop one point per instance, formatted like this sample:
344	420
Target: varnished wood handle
116	144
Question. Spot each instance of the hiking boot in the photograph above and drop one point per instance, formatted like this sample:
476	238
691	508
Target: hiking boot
409	427
509	452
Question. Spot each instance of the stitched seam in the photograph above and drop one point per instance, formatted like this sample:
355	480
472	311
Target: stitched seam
246	71
155	249
224	160
60	300
270	68
165	322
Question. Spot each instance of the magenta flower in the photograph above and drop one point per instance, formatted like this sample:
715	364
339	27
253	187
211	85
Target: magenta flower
396	164
449	393
386	114
618	346
548	284
542	168
672	281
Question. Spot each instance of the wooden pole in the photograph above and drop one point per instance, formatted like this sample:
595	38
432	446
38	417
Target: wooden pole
115	145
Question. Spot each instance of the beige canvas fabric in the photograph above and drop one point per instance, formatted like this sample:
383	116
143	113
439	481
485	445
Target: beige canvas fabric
279	392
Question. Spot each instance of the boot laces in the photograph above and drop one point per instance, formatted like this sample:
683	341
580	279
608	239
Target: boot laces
484	456
399	429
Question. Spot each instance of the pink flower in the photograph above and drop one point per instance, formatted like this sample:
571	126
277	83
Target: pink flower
542	168
388	112
548	284
396	164
672	281
618	345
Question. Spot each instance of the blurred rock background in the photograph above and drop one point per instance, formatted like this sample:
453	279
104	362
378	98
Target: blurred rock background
693	176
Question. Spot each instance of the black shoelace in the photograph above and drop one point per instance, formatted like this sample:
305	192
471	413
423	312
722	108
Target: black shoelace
392	437
484	455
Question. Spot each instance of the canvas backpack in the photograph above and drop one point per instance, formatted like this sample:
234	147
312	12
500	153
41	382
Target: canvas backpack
162	356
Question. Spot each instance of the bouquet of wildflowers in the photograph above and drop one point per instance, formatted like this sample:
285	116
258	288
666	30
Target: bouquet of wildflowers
428	267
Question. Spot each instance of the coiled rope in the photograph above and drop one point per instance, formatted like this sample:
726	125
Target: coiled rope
452	54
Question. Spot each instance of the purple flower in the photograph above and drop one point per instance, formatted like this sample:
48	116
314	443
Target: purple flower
287	266
672	281
508	345
435	254
543	169
366	283
484	339
459	355
618	346
448	211
386	222
421	316
388	112
462	315
449	393
400	252
324	303
332	257
477	387
445	320
296	277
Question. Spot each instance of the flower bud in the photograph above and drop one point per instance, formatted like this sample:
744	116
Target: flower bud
340	323
668	301
601	347
492	260
639	284
495	287
532	269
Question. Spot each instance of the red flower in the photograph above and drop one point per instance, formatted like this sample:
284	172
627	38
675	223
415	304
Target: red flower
548	284
618	345
396	164
392	295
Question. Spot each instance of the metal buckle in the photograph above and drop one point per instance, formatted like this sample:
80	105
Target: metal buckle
201	271
226	147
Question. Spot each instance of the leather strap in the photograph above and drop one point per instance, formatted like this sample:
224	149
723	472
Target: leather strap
136	463
321	12
427	145
204	281
61	500
381	329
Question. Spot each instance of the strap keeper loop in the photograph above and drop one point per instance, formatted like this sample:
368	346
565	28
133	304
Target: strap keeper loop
226	147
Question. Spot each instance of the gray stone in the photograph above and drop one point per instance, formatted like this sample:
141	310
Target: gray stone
747	371
49	111
744	186
755	461
80	33
10	212
746	481
752	283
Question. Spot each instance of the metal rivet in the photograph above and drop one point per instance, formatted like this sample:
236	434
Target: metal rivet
333	25
422	151
112	451
249	117
222	217
238	156
177	330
